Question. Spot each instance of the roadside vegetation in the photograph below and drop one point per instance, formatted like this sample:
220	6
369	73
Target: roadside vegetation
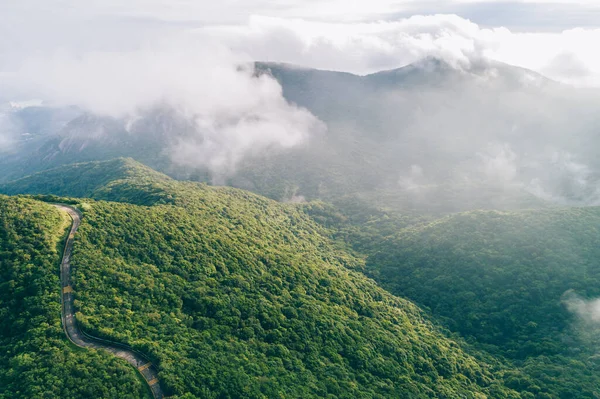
37	361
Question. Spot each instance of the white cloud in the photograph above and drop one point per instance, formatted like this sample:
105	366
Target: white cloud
6	133
414	181
328	34
373	46
115	57
587	309
353	47
499	163
564	180
234	112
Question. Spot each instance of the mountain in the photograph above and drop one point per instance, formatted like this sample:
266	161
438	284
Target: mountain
235	295
520	285
428	137
431	71
36	360
232	294
89	137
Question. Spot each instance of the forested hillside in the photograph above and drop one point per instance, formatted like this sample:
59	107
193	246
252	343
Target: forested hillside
36	360
121	179
235	295
504	281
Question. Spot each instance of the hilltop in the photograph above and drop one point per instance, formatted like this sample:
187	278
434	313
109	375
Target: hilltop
121	179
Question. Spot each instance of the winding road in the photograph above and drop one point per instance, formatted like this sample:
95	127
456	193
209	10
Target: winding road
79	338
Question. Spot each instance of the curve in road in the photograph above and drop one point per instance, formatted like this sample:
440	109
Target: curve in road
79	338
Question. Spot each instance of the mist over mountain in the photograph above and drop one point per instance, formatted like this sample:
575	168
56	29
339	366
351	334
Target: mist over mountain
428	136
429	124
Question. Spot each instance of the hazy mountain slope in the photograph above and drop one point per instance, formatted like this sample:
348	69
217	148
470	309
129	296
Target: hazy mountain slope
426	134
506	281
426	137
36	360
88	137
28	129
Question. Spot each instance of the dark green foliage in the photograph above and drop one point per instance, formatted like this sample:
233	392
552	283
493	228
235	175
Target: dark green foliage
36	360
236	296
498	279
497	276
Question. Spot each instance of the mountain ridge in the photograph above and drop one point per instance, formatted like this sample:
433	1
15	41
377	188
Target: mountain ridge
413	138
429	64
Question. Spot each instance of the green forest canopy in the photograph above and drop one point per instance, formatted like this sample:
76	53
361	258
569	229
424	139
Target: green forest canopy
215	282
36	359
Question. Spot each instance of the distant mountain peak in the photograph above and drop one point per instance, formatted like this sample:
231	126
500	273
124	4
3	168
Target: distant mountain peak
431	63
436	71
429	70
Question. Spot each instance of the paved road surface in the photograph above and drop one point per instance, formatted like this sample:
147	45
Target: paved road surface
73	332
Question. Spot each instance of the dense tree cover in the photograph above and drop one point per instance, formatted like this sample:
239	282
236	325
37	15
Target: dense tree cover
121	179
499	280
36	360
234	295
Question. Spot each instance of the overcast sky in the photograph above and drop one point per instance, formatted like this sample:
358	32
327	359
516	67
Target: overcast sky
518	14
556	38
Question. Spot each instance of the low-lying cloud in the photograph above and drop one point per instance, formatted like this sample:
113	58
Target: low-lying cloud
123	65
8	129
499	163
588	310
233	111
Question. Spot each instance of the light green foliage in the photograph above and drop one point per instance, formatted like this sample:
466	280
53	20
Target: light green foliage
235	295
36	360
121	179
